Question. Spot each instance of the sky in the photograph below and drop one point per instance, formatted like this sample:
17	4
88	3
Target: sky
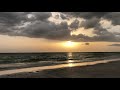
59	32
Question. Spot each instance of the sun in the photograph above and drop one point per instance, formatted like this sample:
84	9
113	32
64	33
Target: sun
69	44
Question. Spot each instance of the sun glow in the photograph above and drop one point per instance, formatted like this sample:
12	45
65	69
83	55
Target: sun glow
69	44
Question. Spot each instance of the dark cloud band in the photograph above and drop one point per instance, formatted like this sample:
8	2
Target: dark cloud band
41	27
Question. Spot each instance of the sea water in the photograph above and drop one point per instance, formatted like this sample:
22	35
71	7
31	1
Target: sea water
11	63
56	57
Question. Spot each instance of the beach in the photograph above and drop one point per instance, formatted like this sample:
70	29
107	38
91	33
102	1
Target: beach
103	70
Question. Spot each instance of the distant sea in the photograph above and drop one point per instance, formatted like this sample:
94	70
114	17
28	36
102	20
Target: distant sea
56	58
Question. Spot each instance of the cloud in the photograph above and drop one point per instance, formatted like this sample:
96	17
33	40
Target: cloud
47	30
92	20
114	17
90	23
41	16
57	16
12	18
87	15
63	16
87	43
38	25
118	45
75	24
81	38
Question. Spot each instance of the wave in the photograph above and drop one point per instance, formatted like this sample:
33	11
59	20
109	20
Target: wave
41	68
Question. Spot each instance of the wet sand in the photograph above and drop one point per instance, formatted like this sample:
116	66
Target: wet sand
104	70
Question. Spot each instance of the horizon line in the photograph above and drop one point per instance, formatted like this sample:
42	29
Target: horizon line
61	52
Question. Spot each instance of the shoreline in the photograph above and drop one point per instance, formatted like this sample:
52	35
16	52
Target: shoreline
73	71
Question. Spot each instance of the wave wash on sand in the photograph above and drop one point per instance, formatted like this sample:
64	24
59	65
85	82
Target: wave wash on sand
70	64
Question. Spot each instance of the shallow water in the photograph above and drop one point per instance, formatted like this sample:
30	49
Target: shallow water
70	64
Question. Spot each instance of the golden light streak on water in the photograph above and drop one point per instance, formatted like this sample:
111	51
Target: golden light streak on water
34	69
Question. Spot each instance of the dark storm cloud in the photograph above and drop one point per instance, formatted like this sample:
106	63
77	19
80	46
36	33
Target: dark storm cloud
75	24
81	38
118	45
63	16
47	30
12	18
92	17
114	17
41	16
42	27
92	20
9	21
87	43
84	38
90	23
87	15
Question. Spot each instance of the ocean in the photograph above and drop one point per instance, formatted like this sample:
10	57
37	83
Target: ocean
56	58
13	63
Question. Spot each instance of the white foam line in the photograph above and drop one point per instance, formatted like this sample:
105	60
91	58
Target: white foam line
34	69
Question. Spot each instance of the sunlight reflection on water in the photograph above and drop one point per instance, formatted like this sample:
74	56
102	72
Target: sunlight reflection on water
70	65
33	69
70	62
